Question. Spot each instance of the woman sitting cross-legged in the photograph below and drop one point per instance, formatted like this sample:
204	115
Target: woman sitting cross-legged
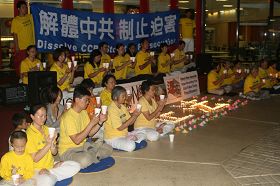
145	123
116	133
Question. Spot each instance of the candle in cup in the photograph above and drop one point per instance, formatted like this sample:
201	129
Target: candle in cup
162	97
132	59
75	63
44	65
69	64
38	65
97	111
152	53
97	100
51	132
172	54
15	179
73	58
128	92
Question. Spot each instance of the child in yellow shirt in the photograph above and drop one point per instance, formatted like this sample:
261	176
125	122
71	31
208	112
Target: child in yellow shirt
164	60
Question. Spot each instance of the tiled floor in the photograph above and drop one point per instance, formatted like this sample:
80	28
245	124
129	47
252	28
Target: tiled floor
242	148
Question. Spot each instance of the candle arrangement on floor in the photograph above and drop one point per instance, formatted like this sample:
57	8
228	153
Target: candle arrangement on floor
191	114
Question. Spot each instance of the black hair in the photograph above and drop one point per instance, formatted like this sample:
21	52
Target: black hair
118	46
116	92
215	65
182	42
65	49
80	92
106	78
20	3
56	53
101	44
162	45
87	83
128	51
145	86
272	62
143	40
18	119
18	135
93	54
35	108
52	94
30	46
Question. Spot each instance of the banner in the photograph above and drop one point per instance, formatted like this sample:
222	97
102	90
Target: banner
181	86
81	31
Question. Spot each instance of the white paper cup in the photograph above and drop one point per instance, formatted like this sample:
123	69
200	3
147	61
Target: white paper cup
107	65
38	65
128	92
276	75
263	80
138	107
161	97
132	59
97	100
68	105
69	64
152	53
172	54
44	65
73	58
75	63
104	109
225	71
97	111
191	56
15	179
171	138
51	132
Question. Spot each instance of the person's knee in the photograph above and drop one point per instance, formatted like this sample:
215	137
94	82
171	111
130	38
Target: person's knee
153	136
46	180
130	146
75	166
84	160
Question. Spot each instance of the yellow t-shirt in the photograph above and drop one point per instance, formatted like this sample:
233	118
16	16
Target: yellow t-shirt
60	73
23	164
88	69
119	61
211	78
263	73
35	142
250	81
106	97
116	117
227	81
71	123
141	121
178	55
187	26
105	59
273	72
140	60
129	68
234	78
162	60
26	65
24	28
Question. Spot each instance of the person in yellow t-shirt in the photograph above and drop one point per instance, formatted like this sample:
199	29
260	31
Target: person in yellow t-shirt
239	75
179	57
215	81
105	58
93	70
187	28
23	30
30	64
42	146
131	54
121	63
144	60
273	73
164	60
253	85
65	73
109	83
263	74
228	73
116	126
75	127
146	122
17	162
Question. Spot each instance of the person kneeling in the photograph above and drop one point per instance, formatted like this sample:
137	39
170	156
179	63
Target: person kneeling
116	127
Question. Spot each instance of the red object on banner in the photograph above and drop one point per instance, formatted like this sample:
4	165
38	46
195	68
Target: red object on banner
108	6
173	4
67	4
144	6
198	28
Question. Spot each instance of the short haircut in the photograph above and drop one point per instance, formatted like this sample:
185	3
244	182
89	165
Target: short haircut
56	53
182	42
35	108
52	94
80	92
106	78
130	45
20	3
65	49
101	44
145	86
18	119
87	83
18	135
143	40
117	91
163	45
30	47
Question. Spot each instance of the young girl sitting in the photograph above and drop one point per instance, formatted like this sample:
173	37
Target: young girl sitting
116	133
42	146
